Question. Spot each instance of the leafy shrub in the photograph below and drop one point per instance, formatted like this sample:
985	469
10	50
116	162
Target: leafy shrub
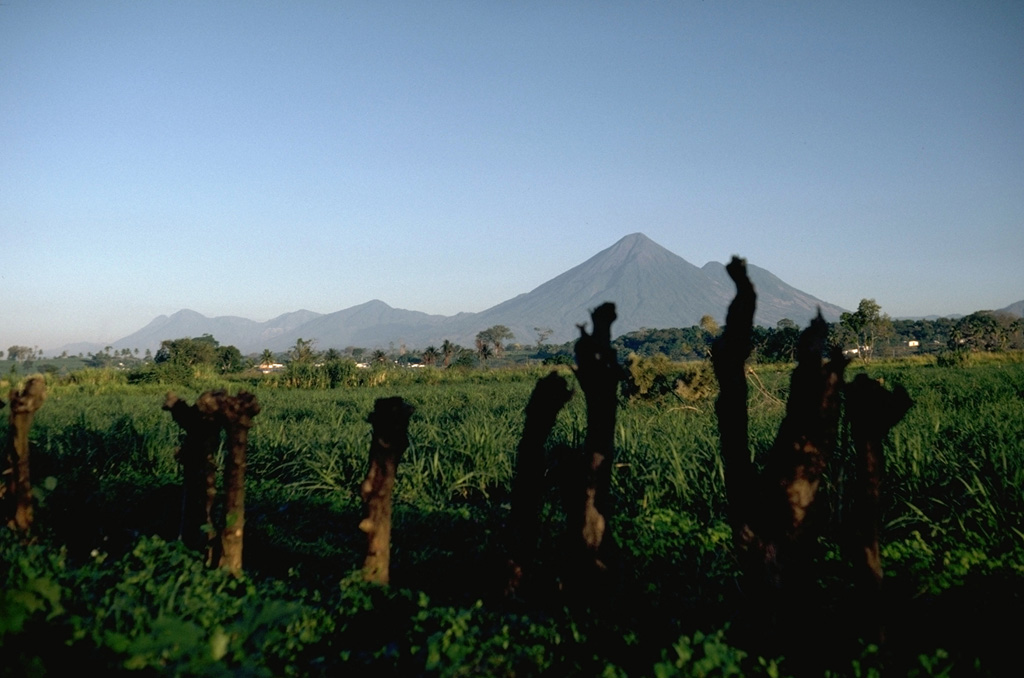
703	655
648	375
954	358
697	382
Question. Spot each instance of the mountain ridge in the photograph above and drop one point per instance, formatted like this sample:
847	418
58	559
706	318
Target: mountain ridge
651	287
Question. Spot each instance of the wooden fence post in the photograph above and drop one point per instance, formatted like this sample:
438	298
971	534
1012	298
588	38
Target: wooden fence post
199	486
549	396
17	488
202	422
599	374
872	411
390	438
235	414
775	517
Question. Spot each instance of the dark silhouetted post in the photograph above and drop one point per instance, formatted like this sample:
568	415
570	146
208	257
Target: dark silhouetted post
872	412
599	374
549	396
235	414
17	488
775	517
390	421
199	486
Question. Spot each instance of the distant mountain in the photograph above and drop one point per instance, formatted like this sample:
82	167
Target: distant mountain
775	299
650	286
1016	309
371	324
246	334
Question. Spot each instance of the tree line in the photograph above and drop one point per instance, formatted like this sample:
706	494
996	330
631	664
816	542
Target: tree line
863	333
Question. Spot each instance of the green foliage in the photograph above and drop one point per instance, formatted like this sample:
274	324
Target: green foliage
96	588
648	375
696	382
493	339
656	375
866	326
229	359
986	331
302	352
702	655
957	357
692	343
31	590
776	345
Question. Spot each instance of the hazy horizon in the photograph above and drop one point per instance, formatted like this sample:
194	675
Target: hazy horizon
257	159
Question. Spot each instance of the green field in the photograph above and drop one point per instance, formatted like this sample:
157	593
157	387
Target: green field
106	584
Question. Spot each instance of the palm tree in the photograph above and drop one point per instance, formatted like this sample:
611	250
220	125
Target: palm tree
380	356
447	350
302	351
431	355
484	350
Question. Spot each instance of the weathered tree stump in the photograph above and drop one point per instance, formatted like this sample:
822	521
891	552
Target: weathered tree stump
771	514
872	412
599	374
199	486
17	487
549	396
775	517
235	414
203	422
390	438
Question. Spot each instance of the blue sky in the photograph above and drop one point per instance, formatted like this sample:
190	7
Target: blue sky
255	158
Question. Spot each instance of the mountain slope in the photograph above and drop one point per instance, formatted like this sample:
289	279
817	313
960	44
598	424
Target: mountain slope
248	335
371	324
1016	308
650	286
775	299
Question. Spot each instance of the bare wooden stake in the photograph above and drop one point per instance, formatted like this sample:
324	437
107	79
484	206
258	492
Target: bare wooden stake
599	374
235	414
775	515
770	512
549	396
728	358
17	488
199	487
390	421
872	411
805	442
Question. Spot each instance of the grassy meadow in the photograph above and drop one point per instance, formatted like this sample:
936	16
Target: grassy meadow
105	583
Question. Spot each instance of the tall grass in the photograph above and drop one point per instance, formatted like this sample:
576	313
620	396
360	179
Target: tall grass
953	511
957	459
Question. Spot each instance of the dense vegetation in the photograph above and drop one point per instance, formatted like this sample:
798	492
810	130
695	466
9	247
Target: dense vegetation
105	583
866	332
